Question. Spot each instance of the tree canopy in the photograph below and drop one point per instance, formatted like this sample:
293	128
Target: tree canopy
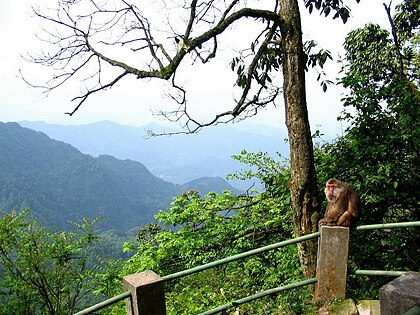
379	154
380	151
44	271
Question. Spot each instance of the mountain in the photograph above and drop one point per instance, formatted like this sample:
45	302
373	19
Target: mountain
179	158
60	183
206	184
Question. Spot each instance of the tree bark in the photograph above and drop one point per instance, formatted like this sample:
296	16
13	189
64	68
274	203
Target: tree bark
303	178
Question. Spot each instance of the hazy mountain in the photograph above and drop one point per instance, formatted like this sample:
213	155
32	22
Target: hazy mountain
205	184
60	183
178	158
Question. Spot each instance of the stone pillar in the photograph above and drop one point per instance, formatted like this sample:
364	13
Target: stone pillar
147	294
401	294
331	270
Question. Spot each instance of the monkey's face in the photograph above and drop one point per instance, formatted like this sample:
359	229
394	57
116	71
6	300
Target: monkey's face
331	192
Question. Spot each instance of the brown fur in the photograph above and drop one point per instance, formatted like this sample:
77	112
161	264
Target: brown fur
343	204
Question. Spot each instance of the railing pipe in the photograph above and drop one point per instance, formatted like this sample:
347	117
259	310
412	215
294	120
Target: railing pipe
361	272
259	295
388	225
239	256
105	303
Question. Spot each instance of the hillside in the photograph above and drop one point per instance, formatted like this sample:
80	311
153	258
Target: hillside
177	159
60	183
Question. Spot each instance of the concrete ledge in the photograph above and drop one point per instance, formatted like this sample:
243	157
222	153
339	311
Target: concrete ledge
348	307
342	307
401	294
368	307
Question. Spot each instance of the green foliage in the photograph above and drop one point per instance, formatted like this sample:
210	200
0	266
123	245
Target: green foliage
317	60
199	229
327	6
261	69
43	271
379	154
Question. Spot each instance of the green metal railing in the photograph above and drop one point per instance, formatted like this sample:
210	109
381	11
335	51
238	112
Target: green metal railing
226	260
377	273
240	256
259	295
105	303
388	226
378	227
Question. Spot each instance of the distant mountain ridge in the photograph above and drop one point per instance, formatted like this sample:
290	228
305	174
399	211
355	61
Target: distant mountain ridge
60	183
179	158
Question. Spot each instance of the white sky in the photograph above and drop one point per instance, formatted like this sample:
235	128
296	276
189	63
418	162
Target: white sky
132	103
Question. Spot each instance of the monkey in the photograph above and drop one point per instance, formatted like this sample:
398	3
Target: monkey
343	204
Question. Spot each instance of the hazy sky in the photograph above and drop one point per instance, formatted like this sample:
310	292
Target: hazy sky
132	103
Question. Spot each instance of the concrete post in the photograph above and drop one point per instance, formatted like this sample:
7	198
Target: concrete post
147	294
331	270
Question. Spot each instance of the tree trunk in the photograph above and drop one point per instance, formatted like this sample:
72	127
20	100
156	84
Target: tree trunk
303	185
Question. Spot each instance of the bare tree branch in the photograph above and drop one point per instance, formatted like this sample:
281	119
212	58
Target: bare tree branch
87	94
75	51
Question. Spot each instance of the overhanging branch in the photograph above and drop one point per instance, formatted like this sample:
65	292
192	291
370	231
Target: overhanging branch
81	43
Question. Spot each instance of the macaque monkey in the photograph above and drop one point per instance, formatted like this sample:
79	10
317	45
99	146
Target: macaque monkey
343	204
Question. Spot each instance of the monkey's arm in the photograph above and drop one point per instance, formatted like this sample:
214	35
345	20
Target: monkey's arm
345	218
331	216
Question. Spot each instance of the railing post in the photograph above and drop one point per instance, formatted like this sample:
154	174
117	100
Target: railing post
331	270
147	294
